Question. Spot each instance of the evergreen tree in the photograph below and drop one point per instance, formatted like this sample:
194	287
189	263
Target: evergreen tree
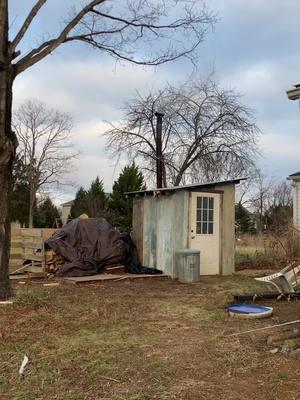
20	194
45	215
243	221
96	199
80	205
278	217
130	180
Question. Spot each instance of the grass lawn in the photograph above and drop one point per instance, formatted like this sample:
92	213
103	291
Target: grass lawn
141	340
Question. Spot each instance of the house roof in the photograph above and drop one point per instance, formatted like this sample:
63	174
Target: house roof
294	94
295	175
68	203
186	187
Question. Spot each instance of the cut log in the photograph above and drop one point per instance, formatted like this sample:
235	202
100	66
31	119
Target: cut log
292	344
280	337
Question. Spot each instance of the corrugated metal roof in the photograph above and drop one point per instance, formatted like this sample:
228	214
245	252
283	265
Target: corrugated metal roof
186	187
293	175
67	204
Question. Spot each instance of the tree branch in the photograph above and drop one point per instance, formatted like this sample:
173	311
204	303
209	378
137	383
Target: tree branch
48	47
35	9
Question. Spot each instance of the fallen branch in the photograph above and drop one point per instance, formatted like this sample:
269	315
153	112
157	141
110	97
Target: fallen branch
108	378
265	328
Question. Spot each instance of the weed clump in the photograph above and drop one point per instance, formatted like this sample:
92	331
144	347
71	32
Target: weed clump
29	298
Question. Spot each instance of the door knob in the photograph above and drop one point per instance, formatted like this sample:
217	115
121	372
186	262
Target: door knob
193	237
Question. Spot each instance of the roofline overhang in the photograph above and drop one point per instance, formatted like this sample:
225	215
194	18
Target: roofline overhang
293	177
294	94
186	187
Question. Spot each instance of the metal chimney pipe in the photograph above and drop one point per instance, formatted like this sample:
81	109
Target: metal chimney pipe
159	159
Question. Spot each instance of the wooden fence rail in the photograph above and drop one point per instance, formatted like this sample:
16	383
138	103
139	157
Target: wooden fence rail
27	247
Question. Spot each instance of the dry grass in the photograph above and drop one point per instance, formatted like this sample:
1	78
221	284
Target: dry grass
272	250
140	341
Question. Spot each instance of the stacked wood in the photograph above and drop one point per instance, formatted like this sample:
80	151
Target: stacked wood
288	341
53	261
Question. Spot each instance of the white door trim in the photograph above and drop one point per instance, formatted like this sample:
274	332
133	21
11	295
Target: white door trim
209	244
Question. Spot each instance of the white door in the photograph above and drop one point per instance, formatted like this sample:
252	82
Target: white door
204	232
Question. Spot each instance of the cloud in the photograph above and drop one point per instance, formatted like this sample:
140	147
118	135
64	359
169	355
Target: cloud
92	92
86	89
254	50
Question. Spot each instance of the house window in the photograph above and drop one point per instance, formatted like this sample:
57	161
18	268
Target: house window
205	216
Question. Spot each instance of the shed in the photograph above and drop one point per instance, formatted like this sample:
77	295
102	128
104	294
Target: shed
199	217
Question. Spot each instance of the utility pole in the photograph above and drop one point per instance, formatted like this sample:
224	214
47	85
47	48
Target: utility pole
159	157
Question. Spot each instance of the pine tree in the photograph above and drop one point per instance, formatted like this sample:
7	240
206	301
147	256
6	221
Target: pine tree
278	217
243	221
80	205
45	215
20	194
96	199
130	180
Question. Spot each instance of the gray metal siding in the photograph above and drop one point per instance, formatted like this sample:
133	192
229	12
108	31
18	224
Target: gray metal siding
165	227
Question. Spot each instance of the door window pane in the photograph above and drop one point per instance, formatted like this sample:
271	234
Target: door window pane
199	202
205	215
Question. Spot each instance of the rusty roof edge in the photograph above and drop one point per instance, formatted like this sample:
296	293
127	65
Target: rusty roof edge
187	187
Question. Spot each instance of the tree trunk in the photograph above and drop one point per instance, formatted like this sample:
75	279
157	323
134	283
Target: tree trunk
5	184
7	150
32	200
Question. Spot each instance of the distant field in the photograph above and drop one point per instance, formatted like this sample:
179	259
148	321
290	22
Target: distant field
253	251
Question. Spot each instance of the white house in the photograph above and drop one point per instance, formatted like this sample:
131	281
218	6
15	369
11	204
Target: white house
295	178
65	211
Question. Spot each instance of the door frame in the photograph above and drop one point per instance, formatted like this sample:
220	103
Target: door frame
212	191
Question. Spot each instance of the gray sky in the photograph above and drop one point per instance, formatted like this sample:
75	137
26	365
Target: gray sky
253	49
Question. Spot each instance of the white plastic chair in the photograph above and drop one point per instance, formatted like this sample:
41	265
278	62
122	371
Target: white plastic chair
285	280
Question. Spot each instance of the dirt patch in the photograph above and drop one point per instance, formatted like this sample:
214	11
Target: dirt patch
141	340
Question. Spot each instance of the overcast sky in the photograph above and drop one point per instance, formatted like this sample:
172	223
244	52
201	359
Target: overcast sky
254	49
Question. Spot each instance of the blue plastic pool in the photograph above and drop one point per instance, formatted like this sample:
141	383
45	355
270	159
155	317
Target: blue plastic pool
248	309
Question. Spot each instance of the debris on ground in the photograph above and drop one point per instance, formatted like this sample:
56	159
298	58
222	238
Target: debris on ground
287	342
23	365
111	277
286	280
53	284
266	296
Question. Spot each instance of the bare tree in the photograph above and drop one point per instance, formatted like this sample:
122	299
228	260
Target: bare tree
45	147
141	32
259	199
208	133
282	194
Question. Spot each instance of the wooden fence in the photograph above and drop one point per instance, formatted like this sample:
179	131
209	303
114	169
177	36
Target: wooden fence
27	247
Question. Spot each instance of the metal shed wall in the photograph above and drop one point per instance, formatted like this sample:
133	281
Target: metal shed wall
162	222
161	227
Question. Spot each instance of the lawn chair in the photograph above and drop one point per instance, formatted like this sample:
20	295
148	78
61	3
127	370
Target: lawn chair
286	280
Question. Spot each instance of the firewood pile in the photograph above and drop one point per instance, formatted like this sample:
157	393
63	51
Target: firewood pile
286	342
53	262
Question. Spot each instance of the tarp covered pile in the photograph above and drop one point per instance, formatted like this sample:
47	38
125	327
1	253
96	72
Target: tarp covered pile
90	245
